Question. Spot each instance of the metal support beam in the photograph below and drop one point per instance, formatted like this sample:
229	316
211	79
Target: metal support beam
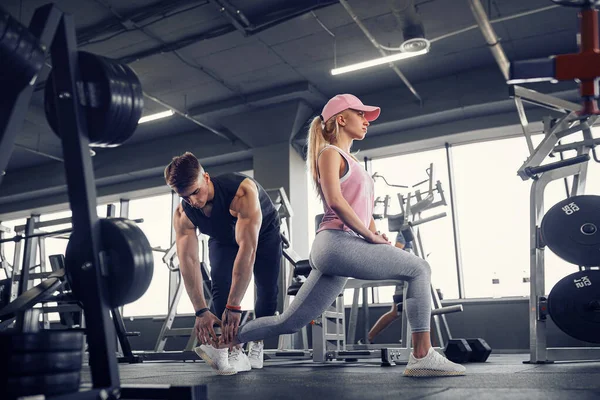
457	253
490	37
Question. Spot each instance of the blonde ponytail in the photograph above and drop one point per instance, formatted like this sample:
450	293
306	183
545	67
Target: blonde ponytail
316	143
319	135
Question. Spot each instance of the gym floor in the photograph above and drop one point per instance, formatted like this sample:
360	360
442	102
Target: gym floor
503	376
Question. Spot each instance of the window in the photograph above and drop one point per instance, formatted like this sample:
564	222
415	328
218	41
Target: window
493	217
156	212
436	236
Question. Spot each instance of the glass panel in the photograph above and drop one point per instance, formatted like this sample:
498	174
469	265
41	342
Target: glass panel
437	235
156	212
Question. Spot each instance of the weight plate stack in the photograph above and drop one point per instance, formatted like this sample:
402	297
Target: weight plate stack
43	363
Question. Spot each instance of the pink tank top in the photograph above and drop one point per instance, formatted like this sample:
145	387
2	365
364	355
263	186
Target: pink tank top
358	190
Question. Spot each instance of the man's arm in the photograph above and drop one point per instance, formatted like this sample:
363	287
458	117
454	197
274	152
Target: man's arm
189	262
247	228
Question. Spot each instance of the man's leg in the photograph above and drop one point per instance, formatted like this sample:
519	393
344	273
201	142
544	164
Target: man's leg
266	278
266	273
221	258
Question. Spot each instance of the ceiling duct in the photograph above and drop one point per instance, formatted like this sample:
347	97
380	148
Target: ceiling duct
411	25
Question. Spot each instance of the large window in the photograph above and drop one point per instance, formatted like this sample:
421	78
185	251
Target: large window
436	236
493	217
156	212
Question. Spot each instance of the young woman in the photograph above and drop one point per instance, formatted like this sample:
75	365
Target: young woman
347	243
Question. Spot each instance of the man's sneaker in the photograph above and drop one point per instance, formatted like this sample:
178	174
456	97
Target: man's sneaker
216	358
433	364
255	354
239	360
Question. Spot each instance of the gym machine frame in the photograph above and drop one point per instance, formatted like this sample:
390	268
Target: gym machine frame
51	25
542	175
22	280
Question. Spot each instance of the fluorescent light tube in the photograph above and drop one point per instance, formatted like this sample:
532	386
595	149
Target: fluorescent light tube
378	61
153	117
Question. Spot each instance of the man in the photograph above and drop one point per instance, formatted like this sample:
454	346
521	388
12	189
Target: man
243	226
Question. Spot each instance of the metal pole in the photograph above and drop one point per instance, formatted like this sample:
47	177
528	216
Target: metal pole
452	188
490	37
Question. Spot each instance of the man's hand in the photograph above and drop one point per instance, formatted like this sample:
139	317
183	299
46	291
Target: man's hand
231	323
203	328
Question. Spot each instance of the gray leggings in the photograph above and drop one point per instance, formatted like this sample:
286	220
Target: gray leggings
335	256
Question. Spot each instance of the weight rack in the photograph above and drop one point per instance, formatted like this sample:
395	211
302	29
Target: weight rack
542	175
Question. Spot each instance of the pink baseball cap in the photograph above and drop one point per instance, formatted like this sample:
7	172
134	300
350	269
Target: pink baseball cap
343	102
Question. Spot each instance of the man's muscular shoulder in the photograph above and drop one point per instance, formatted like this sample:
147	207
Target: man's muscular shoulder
181	220
246	190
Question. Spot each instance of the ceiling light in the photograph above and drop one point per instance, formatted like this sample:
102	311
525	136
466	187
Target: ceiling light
153	117
378	61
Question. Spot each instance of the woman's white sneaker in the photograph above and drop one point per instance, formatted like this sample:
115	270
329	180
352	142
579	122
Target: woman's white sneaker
433	364
239	360
216	358
255	354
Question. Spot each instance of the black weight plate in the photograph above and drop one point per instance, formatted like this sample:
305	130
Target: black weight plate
138	101
571	229
32	296
97	85
43	341
26	57
123	105
134	101
43	363
49	385
119	110
137	107
129	258
23	62
574	305
93	95
133	261
124	132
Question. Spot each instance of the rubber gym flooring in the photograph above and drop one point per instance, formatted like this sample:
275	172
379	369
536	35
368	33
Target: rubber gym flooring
503	376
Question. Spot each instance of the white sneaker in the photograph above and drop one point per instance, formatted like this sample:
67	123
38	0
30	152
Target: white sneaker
255	354
239	360
433	364
216	358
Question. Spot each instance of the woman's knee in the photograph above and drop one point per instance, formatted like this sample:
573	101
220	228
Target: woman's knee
425	268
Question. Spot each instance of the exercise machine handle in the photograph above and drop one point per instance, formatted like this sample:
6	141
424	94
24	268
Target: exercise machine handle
533	171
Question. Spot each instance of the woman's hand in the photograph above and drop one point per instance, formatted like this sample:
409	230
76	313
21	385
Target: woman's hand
377	238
